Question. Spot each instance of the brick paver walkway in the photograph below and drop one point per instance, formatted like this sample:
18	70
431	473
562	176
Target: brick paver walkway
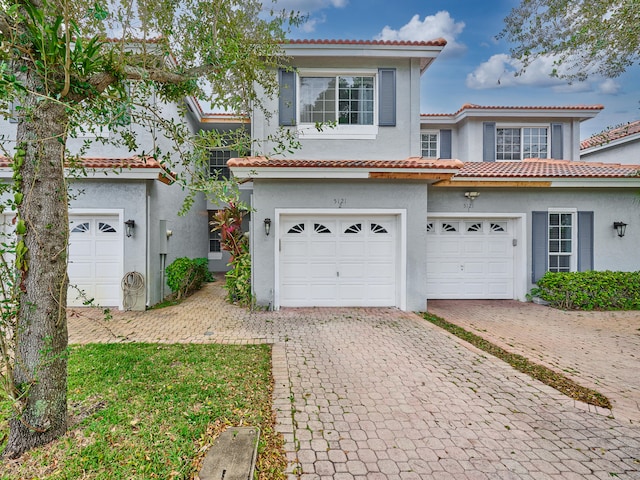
600	350
379	393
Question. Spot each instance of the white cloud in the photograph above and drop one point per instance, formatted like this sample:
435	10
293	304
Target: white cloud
609	87
502	71
440	25
310	25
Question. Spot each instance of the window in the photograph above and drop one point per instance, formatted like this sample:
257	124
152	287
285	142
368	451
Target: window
521	143
215	250
218	163
430	145
347	100
561	241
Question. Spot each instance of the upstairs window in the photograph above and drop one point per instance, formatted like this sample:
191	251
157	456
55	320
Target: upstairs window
218	163
521	143
346	100
429	141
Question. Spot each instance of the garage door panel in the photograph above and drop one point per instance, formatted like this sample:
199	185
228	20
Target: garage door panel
95	260
348	260
473	262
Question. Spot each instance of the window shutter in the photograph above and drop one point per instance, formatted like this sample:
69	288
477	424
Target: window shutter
556	141
585	241
488	141
539	242
287	97
387	97
445	144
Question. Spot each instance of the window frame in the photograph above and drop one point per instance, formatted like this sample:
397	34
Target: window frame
223	168
437	148
573	254
308	130
214	236
521	127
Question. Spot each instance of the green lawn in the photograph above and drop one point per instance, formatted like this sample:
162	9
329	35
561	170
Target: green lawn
149	411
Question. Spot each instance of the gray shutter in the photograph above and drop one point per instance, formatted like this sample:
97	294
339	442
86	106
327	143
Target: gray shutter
287	98
556	141
488	141
539	243
445	144
585	241
387	97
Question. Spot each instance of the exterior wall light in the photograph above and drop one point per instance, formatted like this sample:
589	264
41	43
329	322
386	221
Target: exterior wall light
472	195
267	226
620	227
129	226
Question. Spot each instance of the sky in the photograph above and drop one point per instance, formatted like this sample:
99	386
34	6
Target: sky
474	67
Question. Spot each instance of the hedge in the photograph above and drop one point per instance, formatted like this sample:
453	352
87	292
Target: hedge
186	275
591	290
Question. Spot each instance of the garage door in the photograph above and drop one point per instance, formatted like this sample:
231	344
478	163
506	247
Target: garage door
95	260
338	260
470	258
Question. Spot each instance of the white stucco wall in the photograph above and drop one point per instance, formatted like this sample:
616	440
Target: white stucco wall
608	204
626	153
371	195
398	142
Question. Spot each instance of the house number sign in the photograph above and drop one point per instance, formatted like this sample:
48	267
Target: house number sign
340	202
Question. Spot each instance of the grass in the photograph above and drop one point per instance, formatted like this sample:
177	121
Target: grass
144	411
546	375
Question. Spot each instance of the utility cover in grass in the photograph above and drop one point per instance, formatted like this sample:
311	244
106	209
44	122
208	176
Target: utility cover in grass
232	456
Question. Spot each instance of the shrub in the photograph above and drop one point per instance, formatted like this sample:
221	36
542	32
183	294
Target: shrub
238	282
590	290
186	275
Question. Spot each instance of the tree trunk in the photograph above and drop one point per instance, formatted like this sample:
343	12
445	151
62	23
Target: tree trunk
40	371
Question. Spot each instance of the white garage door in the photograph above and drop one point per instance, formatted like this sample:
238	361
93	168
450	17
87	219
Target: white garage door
95	260
470	258
338	260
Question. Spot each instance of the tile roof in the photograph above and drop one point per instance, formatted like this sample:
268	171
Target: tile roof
540	168
438	42
107	163
607	136
471	106
413	162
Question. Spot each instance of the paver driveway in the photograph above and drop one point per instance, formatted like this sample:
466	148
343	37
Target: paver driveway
378	393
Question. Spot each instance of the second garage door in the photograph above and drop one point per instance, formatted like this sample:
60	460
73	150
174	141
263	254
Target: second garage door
338	260
470	258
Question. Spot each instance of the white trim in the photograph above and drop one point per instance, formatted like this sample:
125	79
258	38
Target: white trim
401	241
94	212
325	172
573	257
102	173
520	235
308	130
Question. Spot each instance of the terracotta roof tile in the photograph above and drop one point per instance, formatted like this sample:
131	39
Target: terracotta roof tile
471	106
602	138
107	163
539	168
413	162
438	42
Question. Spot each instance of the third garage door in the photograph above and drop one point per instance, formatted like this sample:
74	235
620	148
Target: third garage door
470	258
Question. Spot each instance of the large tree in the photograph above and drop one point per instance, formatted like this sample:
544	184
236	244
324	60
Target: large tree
72	64
584	37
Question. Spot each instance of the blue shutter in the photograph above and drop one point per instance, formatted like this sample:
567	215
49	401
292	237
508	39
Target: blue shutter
585	241
287	98
445	144
387	97
539	244
556	141
488	141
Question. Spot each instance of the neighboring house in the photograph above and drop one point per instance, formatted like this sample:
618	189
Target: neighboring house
380	205
392	208
617	145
